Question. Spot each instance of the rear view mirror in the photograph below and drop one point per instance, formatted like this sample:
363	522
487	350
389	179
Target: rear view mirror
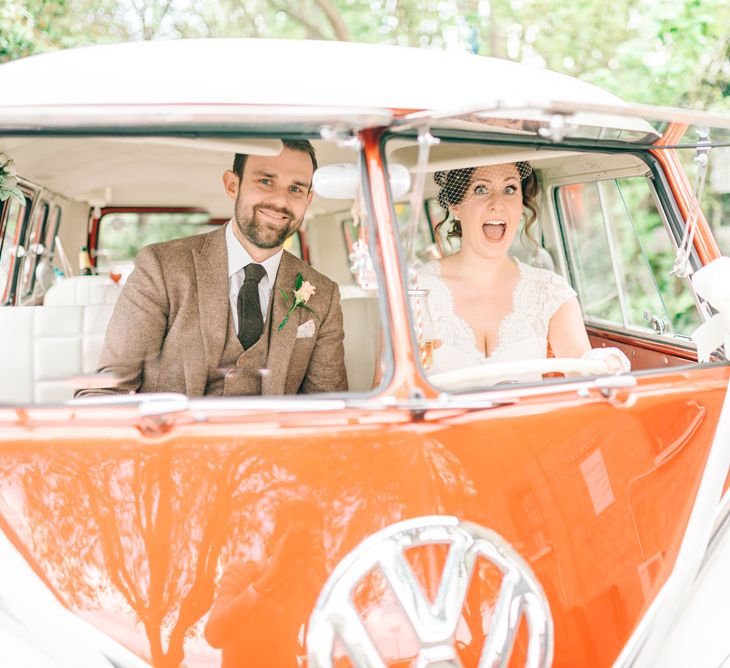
341	181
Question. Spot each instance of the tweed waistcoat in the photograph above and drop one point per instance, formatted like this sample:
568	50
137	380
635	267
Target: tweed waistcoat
239	370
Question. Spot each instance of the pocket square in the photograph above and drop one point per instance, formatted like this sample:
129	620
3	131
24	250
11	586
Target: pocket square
306	330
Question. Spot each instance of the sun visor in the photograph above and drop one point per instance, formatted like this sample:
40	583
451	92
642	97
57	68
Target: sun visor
454	155
248	145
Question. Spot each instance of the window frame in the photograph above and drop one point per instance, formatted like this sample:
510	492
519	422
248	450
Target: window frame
664	351
52	229
673	224
10	291
94	236
36	237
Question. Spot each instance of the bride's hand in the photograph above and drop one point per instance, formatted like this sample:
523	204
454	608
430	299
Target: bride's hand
614	359
616	365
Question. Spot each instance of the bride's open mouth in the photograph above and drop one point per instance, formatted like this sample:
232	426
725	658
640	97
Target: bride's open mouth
494	230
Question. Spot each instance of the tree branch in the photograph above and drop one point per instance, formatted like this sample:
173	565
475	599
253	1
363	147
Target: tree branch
335	19
312	29
162	15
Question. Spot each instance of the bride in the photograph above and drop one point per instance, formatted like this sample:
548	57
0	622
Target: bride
485	305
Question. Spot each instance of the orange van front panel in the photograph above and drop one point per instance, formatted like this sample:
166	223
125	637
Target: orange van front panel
136	533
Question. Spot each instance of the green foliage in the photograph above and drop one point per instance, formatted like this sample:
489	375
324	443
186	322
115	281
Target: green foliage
622	255
28	27
651	248
660	52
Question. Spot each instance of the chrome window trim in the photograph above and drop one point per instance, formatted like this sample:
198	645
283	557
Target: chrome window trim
608	227
125	408
648	336
627	111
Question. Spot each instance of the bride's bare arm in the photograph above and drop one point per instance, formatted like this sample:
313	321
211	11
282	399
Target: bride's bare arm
567	333
568	338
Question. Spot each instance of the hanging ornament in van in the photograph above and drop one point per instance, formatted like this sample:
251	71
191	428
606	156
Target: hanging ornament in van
9	180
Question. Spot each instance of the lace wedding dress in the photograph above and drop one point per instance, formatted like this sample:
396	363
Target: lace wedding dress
522	333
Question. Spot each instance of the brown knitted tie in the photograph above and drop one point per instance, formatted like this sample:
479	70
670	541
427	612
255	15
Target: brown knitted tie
250	320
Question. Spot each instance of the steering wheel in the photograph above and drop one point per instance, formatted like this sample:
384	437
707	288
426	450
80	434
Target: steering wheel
491	374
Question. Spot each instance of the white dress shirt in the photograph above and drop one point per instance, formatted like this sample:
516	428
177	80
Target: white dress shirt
238	258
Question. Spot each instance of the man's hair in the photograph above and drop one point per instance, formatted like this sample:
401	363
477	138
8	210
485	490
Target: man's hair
303	145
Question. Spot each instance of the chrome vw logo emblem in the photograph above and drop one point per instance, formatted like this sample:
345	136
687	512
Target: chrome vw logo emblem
335	617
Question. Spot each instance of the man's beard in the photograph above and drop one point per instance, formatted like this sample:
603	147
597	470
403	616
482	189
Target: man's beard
261	234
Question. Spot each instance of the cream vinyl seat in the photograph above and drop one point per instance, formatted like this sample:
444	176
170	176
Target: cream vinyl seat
82	290
43	347
362	335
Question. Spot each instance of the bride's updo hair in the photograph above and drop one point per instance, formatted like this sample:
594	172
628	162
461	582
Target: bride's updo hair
453	185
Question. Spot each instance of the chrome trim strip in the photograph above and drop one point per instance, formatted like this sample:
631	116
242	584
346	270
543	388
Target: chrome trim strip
644	112
617	114
179	402
612	251
626	110
480	399
290	405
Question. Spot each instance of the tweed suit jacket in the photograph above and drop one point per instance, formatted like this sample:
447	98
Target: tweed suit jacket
169	326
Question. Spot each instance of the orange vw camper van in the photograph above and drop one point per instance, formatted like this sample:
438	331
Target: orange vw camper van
455	505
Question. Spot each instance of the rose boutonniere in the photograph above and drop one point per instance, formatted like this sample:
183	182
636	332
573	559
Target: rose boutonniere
303	290
9	179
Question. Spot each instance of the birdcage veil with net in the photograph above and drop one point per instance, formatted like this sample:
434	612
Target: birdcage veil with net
454	183
458	186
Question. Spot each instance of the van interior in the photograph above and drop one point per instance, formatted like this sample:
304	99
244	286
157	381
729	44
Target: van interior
600	225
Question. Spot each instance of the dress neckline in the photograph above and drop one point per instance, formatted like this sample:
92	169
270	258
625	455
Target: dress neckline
467	328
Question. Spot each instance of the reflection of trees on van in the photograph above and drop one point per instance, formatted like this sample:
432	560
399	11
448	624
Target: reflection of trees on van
144	531
149	533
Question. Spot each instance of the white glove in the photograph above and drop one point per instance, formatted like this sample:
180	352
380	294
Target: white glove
615	359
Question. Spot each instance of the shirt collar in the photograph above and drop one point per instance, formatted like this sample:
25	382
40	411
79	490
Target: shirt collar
238	256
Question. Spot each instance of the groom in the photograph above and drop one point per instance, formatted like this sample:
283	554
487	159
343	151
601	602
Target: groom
207	315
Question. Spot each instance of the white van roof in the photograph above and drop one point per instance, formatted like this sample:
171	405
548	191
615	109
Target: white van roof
281	72
295	86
